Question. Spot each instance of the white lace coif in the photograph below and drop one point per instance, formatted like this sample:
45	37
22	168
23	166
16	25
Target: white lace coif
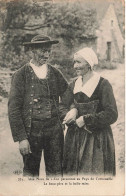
89	55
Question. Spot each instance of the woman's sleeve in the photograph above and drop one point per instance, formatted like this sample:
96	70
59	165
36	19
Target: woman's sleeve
109	112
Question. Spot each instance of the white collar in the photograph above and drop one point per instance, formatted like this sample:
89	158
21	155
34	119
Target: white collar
41	71
89	87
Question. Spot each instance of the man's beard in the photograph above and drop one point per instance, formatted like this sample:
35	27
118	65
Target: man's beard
41	60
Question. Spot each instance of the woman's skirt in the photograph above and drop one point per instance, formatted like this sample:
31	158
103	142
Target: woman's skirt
86	153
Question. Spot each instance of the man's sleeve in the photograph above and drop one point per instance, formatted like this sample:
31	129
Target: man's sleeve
15	105
65	94
62	83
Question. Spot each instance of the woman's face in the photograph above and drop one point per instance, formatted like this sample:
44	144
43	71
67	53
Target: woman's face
81	66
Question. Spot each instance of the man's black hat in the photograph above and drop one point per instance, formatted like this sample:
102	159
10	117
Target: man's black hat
40	40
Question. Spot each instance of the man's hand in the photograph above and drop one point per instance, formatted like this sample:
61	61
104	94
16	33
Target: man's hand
24	147
70	116
80	122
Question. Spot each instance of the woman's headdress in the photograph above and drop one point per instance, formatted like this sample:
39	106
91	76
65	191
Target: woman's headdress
89	55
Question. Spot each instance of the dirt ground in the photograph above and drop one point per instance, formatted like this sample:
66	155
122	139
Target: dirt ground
10	158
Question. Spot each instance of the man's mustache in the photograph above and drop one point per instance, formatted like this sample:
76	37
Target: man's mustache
44	58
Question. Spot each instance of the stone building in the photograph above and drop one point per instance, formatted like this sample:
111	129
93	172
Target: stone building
110	42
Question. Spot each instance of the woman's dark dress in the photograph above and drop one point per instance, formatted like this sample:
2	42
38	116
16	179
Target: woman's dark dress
92	151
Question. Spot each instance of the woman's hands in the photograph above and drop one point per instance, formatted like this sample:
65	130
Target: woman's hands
80	122
70	116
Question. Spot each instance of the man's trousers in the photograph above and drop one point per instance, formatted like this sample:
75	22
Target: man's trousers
49	138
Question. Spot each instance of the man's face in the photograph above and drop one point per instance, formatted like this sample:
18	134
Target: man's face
41	55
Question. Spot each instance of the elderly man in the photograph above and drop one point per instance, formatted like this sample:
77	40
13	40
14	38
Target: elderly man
34	114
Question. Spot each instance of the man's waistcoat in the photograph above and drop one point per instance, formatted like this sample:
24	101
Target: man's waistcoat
21	98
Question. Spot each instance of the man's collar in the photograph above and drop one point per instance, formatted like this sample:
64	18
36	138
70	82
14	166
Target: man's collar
41	72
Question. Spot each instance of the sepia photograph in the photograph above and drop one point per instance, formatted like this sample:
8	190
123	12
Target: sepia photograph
62	97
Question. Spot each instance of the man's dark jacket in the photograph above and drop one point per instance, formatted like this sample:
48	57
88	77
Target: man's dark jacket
21	99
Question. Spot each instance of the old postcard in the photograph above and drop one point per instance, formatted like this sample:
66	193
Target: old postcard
62	97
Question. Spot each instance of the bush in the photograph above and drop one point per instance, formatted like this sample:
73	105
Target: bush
104	64
66	22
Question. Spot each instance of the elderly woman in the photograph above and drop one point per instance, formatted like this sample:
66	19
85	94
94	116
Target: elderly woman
89	145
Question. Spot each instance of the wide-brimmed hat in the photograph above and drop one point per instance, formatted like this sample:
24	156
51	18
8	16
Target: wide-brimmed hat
40	40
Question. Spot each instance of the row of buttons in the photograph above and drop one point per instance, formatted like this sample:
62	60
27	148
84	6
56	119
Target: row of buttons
35	100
